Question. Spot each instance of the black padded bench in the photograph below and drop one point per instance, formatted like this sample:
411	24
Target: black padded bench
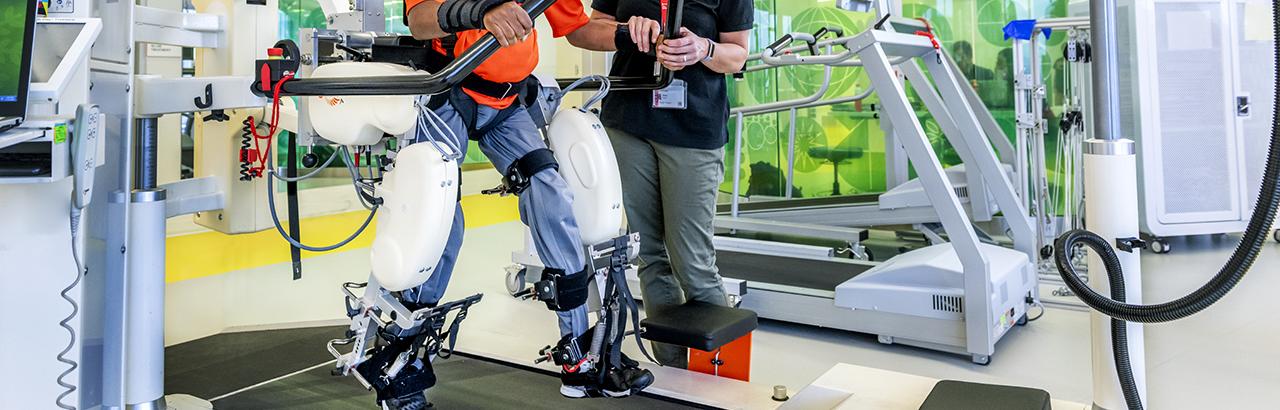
697	325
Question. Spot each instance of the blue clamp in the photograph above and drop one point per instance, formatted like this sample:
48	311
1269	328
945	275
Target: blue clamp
1023	29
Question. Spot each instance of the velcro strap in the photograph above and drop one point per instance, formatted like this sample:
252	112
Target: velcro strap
462	15
521	172
561	291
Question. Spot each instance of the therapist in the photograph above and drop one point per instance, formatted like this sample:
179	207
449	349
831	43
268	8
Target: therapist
670	143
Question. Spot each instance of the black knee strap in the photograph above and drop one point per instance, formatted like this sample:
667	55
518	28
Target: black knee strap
461	15
561	291
521	172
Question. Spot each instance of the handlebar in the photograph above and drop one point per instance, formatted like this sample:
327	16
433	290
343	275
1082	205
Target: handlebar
462	66
837	31
418	84
660	81
810	40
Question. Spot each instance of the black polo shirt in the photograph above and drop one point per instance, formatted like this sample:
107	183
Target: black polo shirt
702	124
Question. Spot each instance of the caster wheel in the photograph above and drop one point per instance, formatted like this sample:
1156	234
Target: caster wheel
981	359
1276	235
884	340
515	281
1022	321
1160	246
1046	252
871	257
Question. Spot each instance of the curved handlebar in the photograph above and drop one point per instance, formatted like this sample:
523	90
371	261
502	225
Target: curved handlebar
776	48
418	84
773	48
839	32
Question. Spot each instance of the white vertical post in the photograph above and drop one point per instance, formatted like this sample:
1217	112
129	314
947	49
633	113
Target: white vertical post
1111	196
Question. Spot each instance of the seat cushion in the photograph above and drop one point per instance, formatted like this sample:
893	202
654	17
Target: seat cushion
958	395
698	325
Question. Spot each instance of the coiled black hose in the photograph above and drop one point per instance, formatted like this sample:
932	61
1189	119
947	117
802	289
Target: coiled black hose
1255	235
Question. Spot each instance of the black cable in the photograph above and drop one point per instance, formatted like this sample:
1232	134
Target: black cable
1245	254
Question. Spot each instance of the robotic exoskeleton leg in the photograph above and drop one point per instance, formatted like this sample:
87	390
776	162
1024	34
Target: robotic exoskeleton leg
593	361
391	346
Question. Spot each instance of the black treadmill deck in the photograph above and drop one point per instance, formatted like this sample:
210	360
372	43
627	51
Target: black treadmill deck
221	364
785	270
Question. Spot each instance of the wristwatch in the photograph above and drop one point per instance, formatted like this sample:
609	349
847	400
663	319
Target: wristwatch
711	51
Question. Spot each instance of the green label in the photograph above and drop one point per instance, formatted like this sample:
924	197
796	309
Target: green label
60	133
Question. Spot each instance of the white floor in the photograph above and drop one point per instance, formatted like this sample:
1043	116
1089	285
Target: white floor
1226	357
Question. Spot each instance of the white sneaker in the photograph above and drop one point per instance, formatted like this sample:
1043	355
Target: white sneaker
573	392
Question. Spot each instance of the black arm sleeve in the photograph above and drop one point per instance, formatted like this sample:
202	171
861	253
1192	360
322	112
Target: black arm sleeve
735	15
459	15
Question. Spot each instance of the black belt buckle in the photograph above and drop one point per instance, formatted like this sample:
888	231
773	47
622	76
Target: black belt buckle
545	290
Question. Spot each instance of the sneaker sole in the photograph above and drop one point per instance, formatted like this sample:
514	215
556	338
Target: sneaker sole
616	394
572	392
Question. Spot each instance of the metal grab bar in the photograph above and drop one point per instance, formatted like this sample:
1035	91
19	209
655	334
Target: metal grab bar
458	69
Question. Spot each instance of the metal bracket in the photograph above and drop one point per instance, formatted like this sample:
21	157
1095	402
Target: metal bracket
1129	244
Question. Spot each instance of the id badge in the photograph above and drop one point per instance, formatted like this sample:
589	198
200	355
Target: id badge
674	97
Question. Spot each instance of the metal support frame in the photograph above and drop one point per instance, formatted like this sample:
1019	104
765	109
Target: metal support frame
875	49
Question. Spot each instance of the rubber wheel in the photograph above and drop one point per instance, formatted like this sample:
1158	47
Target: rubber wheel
871	257
1160	246
1046	252
1022	321
515	281
1276	235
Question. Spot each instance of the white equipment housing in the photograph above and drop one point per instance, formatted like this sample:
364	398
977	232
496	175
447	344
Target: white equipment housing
361	120
419	198
911	194
589	166
928	283
1189	101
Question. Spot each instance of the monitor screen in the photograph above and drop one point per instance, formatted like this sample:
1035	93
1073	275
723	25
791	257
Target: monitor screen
17	23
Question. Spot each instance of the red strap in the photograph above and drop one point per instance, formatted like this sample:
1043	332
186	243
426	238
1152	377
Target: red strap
932	39
927	26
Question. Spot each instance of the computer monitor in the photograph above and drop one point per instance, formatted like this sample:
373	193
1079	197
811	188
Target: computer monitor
15	58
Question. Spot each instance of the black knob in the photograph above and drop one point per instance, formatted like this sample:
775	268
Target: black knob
311	160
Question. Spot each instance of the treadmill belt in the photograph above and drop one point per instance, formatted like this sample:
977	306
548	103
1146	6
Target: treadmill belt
783	270
464	384
224	363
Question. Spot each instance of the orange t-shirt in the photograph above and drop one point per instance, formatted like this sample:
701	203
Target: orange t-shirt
514	63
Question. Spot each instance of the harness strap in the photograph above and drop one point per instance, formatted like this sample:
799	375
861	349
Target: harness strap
618	273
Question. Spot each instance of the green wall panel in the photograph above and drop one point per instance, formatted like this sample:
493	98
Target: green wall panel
970	30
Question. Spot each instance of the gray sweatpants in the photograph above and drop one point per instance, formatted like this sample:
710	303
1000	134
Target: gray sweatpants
670	198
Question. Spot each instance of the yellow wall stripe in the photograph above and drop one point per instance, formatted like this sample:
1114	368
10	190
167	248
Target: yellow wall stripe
211	253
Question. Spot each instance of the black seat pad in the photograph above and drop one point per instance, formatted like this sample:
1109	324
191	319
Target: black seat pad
698	325
958	395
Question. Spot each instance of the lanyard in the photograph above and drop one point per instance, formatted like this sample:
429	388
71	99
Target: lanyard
664	5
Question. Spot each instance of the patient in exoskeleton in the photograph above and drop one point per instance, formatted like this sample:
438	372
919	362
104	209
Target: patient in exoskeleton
401	315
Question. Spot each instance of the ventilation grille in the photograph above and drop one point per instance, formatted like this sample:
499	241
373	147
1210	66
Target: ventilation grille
954	304
962	192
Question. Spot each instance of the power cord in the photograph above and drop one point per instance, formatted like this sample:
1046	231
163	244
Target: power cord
75	310
85	142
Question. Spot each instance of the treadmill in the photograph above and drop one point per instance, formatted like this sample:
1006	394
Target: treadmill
844	218
961	294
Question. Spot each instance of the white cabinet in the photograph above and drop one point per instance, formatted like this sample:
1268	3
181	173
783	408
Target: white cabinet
1196	94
